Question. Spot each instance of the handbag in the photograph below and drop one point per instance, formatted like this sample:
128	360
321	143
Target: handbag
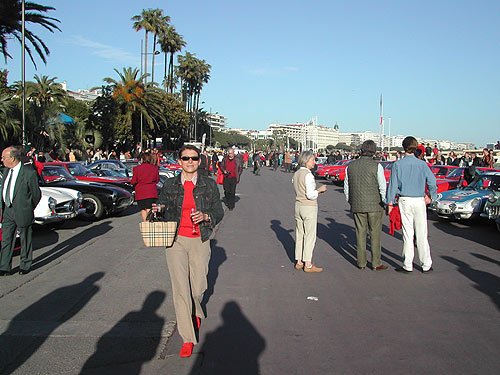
220	177
156	233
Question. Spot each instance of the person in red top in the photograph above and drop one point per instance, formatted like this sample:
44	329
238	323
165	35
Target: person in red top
145	177
231	168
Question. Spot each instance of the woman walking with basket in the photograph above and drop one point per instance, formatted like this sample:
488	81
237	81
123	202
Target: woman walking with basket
193	201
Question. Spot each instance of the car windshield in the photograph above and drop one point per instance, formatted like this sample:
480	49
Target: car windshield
456	173
439	171
77	169
54	174
489	182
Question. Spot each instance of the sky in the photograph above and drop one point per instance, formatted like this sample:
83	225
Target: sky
436	62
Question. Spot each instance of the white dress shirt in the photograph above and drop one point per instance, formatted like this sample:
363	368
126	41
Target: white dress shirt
12	174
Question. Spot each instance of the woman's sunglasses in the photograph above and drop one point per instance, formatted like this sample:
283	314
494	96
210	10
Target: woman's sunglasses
193	158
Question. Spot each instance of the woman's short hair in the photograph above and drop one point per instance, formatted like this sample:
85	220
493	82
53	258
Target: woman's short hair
304	158
189	147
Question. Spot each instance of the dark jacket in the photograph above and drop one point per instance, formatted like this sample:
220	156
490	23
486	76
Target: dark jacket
26	195
364	193
206	198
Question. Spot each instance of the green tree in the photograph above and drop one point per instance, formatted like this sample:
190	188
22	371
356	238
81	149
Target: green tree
11	26
102	118
45	99
134	99
151	21
231	138
9	126
77	109
193	73
170	43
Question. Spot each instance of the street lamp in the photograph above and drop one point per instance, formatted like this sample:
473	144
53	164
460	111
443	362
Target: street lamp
152	75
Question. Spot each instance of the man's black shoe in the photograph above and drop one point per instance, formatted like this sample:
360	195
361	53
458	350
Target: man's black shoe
4	273
429	270
402	270
24	272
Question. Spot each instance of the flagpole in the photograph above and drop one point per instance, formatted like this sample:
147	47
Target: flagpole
381	140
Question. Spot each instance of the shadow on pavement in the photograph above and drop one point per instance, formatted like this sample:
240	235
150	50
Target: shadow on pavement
217	257
71	243
285	238
485	258
16	348
118	346
341	237
480	231
485	282
233	348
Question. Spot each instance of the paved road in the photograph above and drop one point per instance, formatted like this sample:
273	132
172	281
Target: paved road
99	301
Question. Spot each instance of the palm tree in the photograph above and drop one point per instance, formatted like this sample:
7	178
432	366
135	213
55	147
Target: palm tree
9	126
45	100
170	42
193	73
135	99
151	20
159	22
11	26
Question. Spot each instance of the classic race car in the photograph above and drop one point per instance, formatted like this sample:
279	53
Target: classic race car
58	204
98	199
82	173
468	202
492	208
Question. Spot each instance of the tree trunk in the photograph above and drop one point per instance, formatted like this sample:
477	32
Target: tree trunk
153	60
146	55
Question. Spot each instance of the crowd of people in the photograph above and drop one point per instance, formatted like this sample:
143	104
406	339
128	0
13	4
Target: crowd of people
192	200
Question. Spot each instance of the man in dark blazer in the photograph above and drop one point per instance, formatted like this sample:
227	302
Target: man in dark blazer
20	195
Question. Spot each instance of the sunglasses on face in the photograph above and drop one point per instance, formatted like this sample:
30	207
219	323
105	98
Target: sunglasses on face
193	158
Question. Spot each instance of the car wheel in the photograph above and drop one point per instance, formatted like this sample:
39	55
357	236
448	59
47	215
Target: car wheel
94	209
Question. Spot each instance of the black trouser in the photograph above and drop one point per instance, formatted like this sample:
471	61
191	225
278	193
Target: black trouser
9	227
230	191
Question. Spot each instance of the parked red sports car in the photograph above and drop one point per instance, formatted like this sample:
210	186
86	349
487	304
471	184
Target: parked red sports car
81	173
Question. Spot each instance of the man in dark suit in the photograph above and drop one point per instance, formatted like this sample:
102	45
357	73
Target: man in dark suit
20	195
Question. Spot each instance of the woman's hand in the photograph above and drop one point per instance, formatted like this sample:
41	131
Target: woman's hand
198	216
322	189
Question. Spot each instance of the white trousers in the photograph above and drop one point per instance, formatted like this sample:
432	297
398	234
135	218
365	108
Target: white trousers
414	222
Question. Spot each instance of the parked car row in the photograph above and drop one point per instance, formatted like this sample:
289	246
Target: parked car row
478	199
71	189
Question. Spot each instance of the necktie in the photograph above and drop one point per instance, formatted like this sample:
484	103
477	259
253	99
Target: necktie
8	202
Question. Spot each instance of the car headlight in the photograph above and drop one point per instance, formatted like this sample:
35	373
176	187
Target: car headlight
79	198
492	198
474	202
52	205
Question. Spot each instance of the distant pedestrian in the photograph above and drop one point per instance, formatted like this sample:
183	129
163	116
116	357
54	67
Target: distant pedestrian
256	163
287	161
365	190
409	178
306	212
145	178
231	167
